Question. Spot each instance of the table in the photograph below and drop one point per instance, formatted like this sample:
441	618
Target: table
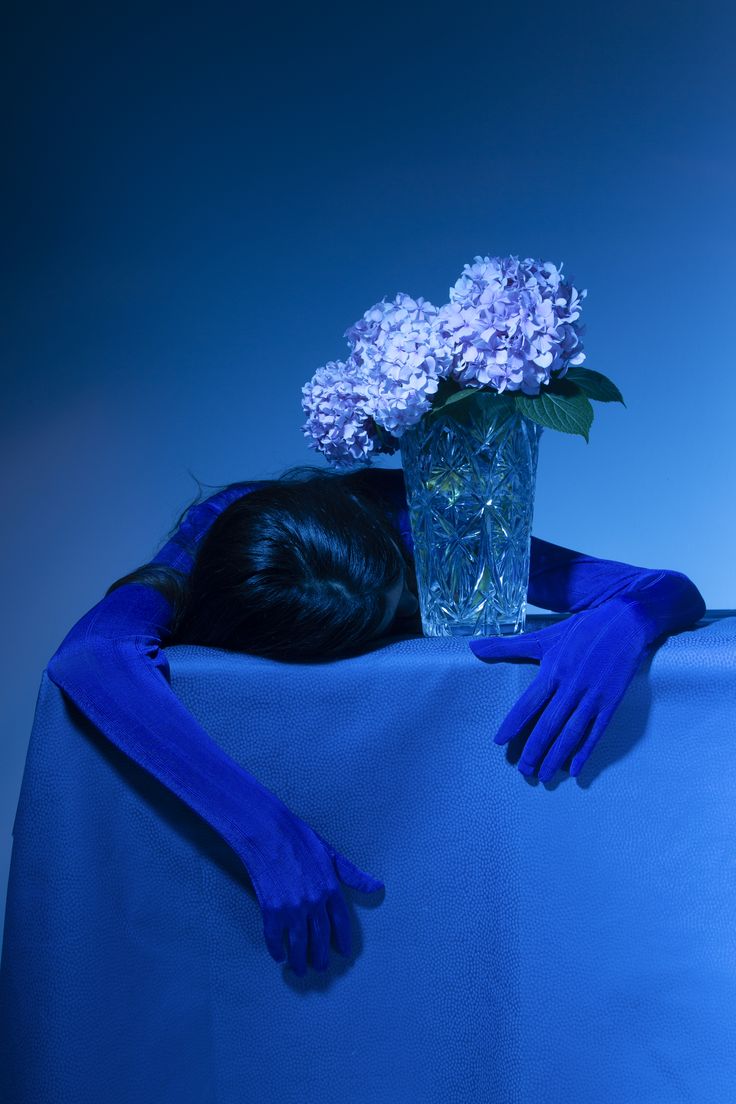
564	942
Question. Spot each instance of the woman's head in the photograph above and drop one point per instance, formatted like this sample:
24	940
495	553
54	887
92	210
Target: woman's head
300	569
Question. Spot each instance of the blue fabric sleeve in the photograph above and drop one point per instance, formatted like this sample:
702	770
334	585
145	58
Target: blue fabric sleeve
112	666
563	580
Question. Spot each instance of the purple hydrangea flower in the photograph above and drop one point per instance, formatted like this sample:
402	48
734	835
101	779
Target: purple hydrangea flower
360	407
339	414
393	344
509	325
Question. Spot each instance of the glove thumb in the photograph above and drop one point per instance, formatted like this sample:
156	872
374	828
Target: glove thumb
354	876
348	872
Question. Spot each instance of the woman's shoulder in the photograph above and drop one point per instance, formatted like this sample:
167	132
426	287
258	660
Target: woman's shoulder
222	498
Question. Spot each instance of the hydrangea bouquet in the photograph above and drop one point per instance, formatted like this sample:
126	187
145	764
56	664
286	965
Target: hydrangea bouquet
511	330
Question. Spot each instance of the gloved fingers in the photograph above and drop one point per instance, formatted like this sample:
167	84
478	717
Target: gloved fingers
546	730
338	913
273	931
523	711
319	937
298	942
599	726
573	732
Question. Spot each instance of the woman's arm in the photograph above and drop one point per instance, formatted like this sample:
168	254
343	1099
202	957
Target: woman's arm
112	666
563	580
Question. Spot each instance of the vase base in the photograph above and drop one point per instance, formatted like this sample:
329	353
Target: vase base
509	627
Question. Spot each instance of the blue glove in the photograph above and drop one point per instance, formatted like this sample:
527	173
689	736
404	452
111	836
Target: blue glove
585	666
295	874
112	664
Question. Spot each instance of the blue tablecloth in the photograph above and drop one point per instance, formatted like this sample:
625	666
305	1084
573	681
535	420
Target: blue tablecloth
572	942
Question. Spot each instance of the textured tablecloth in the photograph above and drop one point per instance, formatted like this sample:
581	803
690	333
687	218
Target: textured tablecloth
572	942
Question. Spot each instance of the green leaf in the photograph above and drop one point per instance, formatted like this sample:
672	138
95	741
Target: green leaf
445	388
565	409
593	384
459	404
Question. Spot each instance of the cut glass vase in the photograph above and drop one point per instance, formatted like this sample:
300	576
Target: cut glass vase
470	478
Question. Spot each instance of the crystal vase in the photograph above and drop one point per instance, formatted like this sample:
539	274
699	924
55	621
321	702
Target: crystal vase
470	475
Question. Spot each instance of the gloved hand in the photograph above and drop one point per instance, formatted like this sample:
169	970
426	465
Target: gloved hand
585	666
295	874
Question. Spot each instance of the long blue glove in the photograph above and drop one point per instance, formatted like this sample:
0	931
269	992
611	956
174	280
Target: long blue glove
112	666
587	661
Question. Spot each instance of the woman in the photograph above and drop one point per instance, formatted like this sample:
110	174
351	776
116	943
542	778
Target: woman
315	566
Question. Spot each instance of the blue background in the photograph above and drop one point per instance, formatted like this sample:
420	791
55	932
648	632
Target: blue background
199	199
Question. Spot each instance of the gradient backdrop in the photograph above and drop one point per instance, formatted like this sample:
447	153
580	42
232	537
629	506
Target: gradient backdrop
200	198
